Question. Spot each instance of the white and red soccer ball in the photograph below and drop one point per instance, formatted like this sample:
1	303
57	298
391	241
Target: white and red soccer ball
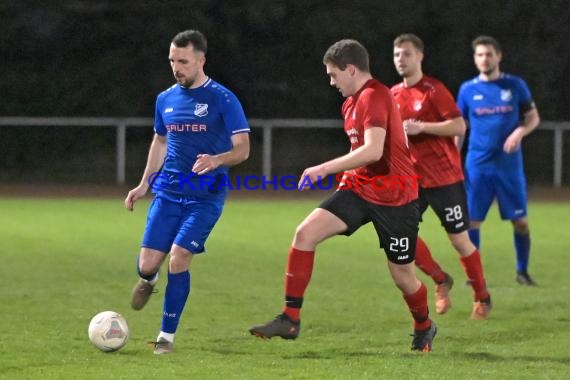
108	331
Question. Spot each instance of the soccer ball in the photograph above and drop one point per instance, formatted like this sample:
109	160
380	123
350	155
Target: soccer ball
108	331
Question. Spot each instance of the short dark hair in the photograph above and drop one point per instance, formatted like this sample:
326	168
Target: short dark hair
486	40
345	52
193	37
412	38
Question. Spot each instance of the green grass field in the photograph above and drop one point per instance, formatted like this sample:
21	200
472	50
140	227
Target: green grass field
63	261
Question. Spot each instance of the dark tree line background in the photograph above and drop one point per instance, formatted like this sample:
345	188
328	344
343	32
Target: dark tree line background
109	58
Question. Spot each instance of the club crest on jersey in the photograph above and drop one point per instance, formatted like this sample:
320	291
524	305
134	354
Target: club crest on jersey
201	110
417	105
506	95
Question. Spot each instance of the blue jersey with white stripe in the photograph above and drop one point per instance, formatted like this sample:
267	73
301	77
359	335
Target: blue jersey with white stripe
494	109
196	121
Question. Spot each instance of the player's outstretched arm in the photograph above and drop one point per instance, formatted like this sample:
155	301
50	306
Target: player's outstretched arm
155	159
371	151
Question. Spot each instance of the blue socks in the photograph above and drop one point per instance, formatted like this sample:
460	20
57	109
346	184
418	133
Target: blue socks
475	237
177	291
522	249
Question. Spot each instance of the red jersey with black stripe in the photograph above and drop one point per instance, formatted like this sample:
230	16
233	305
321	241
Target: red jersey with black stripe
391	181
436	158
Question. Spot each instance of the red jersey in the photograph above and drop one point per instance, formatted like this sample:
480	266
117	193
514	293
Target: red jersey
436	158
391	181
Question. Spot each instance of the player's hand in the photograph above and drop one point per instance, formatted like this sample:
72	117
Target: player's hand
205	163
133	195
310	176
513	142
412	127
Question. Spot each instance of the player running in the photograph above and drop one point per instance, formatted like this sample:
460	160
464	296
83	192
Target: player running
378	151
200	130
432	120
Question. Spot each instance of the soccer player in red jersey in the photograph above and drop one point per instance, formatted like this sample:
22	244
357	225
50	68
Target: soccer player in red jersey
366	193
432	120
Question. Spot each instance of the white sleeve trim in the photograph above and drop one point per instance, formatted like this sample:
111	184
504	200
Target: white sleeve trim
241	130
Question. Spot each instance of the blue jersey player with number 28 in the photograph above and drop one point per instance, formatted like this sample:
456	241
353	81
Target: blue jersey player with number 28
200	130
500	111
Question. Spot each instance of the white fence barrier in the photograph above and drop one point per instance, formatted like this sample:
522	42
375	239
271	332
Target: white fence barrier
268	125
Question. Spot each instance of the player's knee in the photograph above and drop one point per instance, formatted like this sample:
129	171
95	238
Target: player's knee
147	269
462	243
149	261
302	235
148	264
404	277
180	259
521	226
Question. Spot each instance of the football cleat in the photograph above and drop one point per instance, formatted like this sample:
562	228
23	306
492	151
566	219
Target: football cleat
481	309
282	326
442	300
141	294
423	339
162	346
524	278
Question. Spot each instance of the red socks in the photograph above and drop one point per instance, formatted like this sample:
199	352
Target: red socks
297	277
471	264
418	305
474	271
426	263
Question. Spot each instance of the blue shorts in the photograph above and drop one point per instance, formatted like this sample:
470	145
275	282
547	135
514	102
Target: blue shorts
184	223
509	187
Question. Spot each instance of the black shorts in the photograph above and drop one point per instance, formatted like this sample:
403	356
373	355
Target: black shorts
396	226
449	203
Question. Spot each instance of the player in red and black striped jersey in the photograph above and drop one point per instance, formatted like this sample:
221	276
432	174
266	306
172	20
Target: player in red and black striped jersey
378	186
432	121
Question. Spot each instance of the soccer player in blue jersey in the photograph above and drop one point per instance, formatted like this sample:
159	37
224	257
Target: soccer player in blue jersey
501	112
200	130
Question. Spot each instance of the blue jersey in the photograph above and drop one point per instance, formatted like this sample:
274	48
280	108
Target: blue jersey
196	121
494	109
